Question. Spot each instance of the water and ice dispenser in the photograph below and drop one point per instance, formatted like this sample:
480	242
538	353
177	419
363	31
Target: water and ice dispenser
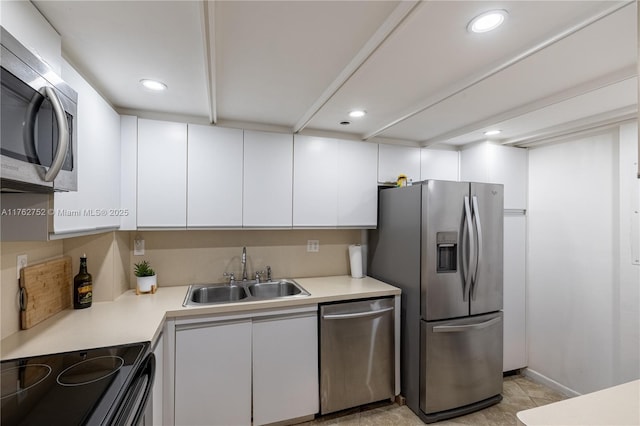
447	243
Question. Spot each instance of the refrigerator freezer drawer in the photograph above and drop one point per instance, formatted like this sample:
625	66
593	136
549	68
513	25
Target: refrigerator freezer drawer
357	361
461	361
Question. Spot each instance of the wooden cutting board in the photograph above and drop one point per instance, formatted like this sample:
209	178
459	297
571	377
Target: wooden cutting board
45	289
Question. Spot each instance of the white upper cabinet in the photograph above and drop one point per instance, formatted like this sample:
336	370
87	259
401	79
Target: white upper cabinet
128	171
267	197
488	162
315	182
214	177
162	174
96	203
394	160
335	183
357	184
439	164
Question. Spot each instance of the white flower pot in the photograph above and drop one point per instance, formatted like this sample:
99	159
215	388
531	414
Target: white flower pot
146	284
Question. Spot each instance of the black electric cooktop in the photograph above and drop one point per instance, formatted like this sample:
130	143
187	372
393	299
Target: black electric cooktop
71	388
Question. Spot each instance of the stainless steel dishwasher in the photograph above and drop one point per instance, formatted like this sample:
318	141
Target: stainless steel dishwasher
357	362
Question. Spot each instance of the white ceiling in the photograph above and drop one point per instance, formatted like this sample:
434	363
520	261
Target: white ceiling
303	65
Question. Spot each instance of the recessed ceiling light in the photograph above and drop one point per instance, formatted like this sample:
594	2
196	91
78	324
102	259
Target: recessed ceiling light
487	21
492	132
357	113
153	85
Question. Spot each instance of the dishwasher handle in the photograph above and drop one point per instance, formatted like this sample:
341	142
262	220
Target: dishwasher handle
357	314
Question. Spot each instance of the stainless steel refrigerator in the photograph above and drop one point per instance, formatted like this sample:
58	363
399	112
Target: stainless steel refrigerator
441	242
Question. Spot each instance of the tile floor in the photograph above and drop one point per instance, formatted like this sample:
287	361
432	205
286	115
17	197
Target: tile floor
519	393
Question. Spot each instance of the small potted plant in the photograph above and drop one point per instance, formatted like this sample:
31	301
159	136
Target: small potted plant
145	278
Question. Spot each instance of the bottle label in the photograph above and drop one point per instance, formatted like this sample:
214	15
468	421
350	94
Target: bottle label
85	294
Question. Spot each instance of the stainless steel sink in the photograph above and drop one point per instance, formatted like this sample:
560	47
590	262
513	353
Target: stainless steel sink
273	289
215	293
242	291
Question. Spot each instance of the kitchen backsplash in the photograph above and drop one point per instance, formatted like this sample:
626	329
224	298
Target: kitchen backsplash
179	258
187	257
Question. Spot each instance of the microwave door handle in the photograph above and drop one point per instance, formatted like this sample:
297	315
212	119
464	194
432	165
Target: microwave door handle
28	132
63	135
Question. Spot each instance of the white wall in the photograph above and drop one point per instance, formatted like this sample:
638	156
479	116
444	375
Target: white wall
583	315
26	24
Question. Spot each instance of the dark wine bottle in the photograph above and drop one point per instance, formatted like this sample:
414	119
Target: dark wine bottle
82	286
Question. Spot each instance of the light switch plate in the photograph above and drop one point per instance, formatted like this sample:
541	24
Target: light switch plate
138	247
313	246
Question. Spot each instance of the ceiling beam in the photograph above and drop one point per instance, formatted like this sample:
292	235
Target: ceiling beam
473	80
396	17
565	95
576	128
207	23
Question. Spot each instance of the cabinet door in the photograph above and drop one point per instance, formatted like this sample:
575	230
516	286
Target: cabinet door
358	184
515	332
492	163
508	166
439	164
285	368
213	374
315	182
474	164
268	180
96	203
162	174
394	160
128	171
214	177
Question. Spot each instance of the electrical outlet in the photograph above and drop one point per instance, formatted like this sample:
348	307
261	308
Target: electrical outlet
22	262
138	247
313	246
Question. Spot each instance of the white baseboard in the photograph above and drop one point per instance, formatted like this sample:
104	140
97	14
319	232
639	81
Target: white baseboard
542	379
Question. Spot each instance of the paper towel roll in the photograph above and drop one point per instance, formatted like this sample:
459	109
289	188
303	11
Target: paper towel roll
355	256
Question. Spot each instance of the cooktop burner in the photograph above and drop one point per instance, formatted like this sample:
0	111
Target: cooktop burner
70	388
90	370
19	379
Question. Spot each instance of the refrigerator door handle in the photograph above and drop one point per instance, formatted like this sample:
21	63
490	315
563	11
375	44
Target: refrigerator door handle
472	260
477	220
467	327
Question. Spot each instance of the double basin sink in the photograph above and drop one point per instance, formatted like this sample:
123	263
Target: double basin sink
242	291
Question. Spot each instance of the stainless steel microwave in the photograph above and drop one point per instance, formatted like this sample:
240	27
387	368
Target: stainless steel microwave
37	124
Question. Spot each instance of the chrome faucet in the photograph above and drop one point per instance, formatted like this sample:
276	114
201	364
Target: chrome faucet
244	264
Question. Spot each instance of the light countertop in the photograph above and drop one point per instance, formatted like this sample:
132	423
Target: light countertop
132	318
618	405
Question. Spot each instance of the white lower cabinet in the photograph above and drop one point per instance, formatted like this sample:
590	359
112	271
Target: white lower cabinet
285	368
260	365
213	373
